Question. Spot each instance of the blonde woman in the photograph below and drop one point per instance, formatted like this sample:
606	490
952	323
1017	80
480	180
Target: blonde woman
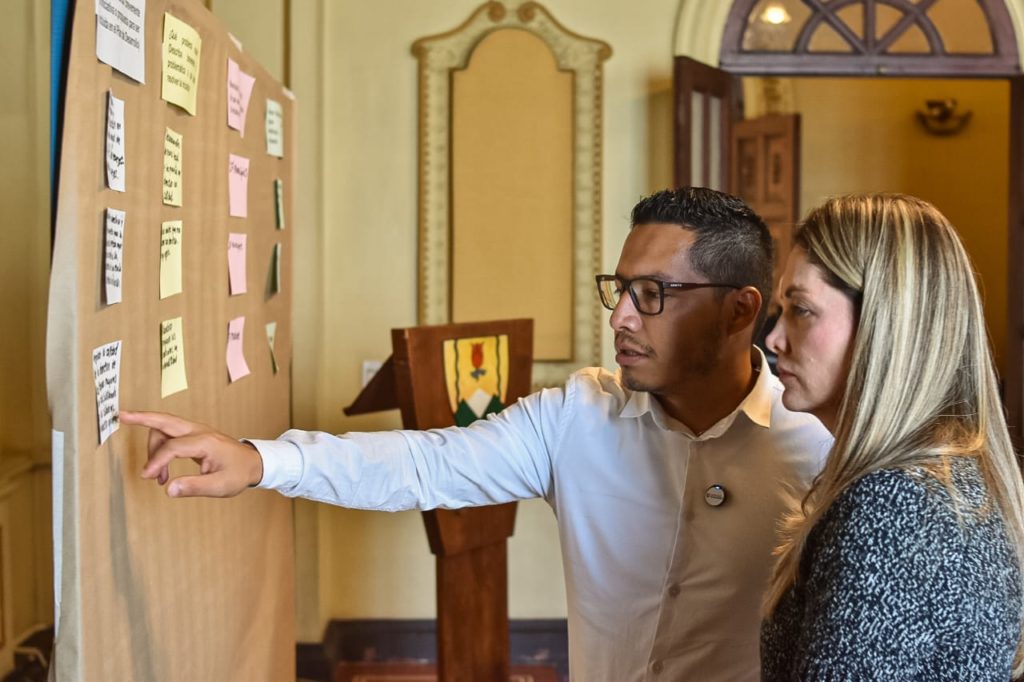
904	561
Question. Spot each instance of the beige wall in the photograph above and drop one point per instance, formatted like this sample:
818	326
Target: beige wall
259	26
862	135
25	237
356	82
25	540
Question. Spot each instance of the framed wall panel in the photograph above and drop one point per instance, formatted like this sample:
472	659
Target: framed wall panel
439	57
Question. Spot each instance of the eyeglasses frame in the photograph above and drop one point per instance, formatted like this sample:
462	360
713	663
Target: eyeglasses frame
627	284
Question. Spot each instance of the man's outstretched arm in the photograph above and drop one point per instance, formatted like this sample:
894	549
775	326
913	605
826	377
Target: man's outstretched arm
503	458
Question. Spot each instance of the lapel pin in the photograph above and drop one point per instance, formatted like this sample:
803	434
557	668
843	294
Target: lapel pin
715	495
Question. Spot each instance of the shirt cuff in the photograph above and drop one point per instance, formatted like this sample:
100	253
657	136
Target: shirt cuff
282	464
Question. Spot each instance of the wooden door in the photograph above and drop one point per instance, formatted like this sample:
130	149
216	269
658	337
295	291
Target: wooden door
1013	382
706	105
765	162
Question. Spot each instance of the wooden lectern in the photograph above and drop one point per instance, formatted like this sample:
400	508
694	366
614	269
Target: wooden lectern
442	376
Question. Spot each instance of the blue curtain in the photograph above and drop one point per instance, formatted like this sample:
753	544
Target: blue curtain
60	20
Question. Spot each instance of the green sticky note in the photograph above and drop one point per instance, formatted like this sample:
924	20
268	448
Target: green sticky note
271	335
279	202
274	276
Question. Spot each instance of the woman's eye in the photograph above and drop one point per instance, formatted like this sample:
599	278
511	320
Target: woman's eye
794	310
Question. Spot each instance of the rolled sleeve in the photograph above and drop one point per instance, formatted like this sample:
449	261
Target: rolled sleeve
282	464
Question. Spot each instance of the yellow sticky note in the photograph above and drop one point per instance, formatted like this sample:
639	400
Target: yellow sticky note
172	358
170	258
172	167
181	50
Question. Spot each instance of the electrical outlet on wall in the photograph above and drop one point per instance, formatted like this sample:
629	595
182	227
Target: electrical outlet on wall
370	367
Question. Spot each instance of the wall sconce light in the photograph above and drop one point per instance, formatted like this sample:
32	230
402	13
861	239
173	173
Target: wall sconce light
941	118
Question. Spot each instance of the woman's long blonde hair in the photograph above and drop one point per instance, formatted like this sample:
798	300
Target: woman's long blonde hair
921	387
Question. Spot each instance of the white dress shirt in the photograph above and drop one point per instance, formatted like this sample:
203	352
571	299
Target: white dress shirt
661	585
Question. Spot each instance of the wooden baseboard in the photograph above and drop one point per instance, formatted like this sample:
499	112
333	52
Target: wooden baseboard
540	642
425	672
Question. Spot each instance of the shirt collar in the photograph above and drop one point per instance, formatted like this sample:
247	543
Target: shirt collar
757	406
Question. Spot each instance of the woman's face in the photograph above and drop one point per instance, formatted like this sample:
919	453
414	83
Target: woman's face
813	339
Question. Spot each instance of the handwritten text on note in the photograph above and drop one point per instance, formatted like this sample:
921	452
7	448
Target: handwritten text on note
115	143
106	371
113	256
172	167
239	90
275	129
182	47
236	263
121	36
237	366
238	186
170	258
172	358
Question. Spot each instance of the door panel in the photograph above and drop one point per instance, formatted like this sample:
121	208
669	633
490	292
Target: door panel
706	106
766	174
1013	382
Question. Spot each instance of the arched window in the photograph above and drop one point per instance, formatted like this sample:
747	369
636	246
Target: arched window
870	37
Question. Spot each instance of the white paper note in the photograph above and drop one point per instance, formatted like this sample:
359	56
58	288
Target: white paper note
106	369
113	256
121	36
115	143
275	129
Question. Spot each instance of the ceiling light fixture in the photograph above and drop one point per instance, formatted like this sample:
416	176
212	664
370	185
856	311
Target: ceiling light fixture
775	14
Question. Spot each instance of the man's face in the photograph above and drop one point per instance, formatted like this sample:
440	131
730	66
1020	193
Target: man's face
659	352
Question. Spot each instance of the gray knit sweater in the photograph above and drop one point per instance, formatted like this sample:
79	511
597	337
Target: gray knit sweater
894	585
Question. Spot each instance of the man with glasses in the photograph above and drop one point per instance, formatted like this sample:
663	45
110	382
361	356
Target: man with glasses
667	477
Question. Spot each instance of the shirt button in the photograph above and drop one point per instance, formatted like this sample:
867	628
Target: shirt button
657	667
674	591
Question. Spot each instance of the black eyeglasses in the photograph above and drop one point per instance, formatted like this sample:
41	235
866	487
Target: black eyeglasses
648	293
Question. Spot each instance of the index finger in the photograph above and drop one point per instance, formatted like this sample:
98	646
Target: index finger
173	426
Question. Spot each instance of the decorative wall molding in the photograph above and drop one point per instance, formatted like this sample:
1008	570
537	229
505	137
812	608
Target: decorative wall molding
701	27
438	56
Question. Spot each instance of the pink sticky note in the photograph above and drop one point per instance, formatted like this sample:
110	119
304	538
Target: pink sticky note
237	367
239	89
238	186
236	263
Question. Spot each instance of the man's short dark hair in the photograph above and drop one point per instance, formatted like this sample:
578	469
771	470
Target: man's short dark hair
733	244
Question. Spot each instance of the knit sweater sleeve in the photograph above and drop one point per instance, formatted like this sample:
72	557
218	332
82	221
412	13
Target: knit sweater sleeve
874	568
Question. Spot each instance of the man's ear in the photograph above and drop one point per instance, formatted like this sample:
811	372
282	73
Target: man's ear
746	305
